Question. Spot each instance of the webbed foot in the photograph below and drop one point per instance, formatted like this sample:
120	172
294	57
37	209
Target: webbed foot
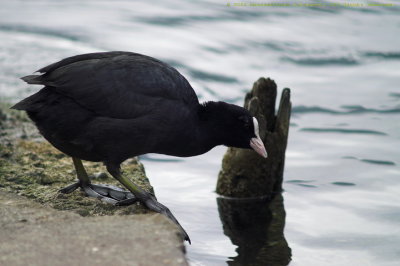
107	193
150	201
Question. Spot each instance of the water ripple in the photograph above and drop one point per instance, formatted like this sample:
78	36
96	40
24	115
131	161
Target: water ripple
302	183
394	94
41	31
344	184
383	55
200	74
280	46
176	21
322	61
370	161
342	130
351	109
299	181
377	162
360	109
231	15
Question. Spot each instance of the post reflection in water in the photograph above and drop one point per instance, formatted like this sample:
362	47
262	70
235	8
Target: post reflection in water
256	226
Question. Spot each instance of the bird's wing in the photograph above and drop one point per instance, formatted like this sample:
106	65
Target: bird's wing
117	84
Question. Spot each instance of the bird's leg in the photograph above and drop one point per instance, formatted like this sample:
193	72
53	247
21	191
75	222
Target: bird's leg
148	199
107	193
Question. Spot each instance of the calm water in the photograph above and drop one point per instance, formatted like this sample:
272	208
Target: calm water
342	177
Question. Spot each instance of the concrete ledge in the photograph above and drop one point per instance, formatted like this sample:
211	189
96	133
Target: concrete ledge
32	234
39	226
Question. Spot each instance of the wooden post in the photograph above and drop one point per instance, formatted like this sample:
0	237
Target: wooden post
244	173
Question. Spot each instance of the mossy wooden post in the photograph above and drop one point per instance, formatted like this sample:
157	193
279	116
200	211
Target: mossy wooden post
244	173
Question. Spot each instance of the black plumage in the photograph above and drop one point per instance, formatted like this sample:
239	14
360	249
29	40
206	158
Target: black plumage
116	105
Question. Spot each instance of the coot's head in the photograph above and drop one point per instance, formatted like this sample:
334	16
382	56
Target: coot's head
233	126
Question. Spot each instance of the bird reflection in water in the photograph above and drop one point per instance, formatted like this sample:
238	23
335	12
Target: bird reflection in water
256	226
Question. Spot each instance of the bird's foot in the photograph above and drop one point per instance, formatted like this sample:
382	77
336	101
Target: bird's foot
150	201
107	193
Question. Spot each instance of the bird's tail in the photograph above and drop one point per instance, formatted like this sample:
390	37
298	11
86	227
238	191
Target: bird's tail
34	100
31	103
33	79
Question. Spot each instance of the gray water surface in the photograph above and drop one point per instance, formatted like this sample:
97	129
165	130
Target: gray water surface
342	176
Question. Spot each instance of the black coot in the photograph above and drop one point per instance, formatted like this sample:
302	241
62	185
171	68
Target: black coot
112	106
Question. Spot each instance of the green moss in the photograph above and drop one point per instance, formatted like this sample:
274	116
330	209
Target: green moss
33	168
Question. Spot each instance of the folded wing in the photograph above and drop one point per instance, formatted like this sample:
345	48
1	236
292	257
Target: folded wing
117	84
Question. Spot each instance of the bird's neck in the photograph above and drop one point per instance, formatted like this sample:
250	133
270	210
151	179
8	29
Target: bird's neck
211	130
197	135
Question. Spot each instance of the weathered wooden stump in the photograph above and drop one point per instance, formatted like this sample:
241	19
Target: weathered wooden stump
250	207
246	174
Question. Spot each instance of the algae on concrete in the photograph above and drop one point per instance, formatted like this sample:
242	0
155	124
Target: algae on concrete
31	167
